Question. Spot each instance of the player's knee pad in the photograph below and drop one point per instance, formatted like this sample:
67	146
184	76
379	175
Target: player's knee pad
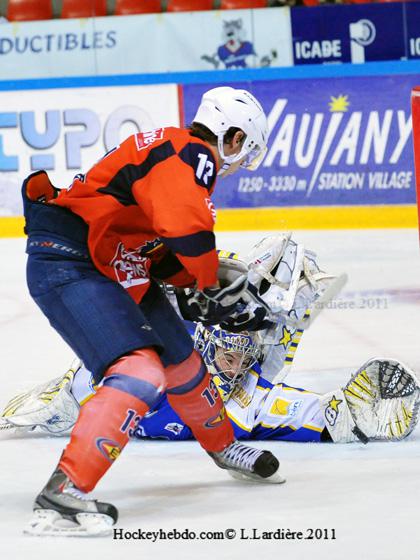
182	378
139	374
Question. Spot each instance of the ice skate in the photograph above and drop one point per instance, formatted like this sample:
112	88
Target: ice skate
247	463
50	407
64	511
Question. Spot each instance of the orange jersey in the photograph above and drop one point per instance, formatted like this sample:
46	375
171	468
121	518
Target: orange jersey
148	208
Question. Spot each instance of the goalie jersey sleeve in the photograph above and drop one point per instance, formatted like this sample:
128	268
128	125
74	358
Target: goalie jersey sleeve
148	208
257	409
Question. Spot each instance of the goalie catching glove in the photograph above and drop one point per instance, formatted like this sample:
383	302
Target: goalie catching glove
380	402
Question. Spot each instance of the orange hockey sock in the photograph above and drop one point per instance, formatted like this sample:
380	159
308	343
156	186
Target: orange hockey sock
195	398
131	386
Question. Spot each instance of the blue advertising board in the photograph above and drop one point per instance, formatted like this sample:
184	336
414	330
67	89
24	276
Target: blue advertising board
334	141
353	33
412	19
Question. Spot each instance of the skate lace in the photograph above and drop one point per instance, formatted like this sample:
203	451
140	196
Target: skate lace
240	456
76	493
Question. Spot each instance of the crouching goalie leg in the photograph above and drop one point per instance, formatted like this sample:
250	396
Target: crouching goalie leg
380	402
195	398
130	387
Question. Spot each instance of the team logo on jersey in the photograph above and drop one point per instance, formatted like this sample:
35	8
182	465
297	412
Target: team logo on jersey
130	267
145	139
174	427
332	412
109	449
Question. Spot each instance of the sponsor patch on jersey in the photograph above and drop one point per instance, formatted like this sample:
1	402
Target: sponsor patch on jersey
145	139
283	407
216	420
294	407
109	449
241	397
174	427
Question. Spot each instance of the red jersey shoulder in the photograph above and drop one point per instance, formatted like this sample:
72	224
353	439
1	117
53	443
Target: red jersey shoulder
192	151
144	140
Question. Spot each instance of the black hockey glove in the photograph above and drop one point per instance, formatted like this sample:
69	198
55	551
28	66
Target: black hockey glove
212	305
247	320
253	316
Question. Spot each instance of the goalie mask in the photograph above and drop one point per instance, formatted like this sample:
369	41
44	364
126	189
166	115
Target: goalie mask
227	356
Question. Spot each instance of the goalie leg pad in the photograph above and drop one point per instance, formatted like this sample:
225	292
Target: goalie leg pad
50	406
131	386
195	398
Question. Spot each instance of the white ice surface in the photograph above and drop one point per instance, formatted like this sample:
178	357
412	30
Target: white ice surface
369	494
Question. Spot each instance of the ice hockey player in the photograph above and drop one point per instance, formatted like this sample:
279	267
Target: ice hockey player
380	401
141	213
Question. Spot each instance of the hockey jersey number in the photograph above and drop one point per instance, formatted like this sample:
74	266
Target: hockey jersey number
205	169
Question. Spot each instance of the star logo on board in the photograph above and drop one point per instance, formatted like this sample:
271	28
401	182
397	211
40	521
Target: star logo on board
339	104
286	337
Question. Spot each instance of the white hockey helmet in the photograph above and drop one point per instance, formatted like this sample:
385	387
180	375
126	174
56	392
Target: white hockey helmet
224	107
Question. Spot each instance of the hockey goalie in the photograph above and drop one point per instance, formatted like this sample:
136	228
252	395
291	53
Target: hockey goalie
249	356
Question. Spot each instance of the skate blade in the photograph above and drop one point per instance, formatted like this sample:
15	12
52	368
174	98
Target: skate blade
49	523
273	479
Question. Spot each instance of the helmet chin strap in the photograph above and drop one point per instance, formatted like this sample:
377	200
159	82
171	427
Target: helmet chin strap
228	159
